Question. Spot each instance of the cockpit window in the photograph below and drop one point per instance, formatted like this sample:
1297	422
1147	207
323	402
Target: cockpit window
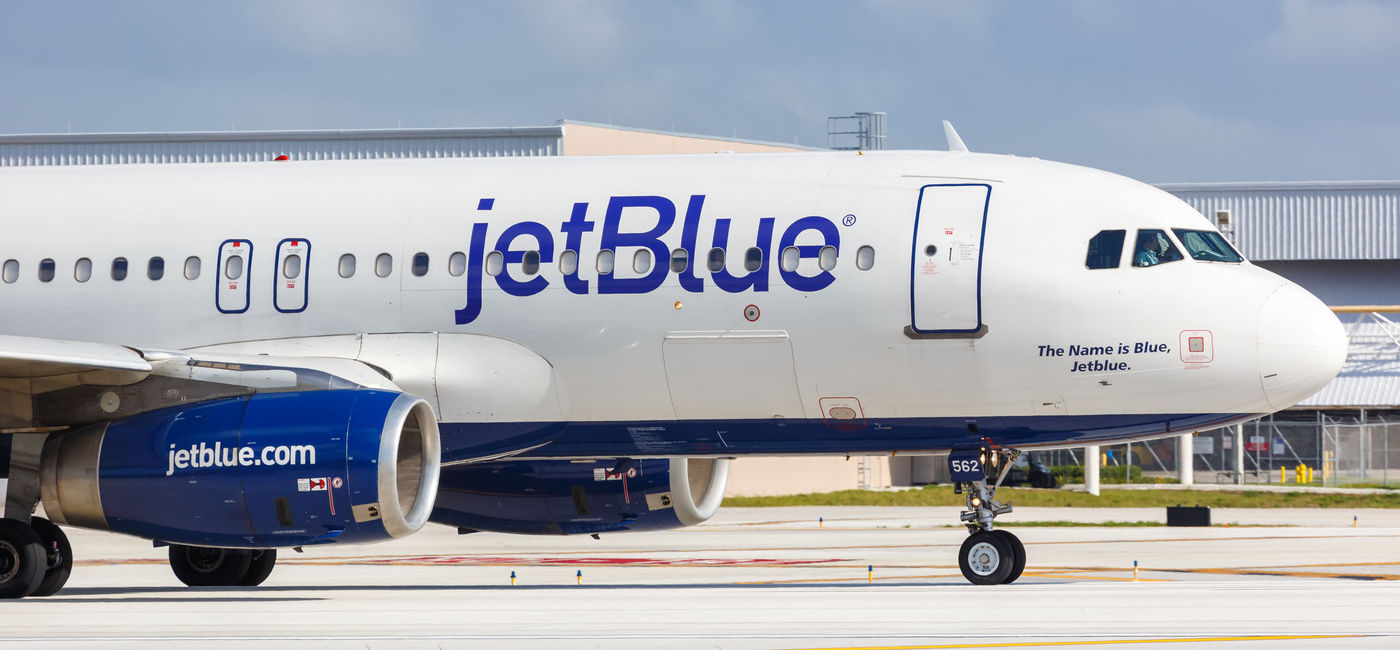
1207	246
1105	249
1153	248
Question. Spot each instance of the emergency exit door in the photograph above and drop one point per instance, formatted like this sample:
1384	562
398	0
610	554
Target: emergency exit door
234	266
289	279
945	295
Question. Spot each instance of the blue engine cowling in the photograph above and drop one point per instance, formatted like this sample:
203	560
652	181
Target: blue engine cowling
573	498
269	470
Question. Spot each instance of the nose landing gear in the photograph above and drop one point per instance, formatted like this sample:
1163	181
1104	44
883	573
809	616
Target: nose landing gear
987	557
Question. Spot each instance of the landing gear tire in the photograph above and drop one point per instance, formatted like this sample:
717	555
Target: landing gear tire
986	558
198	566
58	556
22	559
263	559
1018	551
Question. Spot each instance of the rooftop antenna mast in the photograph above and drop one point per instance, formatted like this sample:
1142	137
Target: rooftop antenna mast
862	131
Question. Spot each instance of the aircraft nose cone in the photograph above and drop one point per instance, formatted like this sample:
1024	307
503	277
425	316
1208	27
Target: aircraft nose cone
1301	346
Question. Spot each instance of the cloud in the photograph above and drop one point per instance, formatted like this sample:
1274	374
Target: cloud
1355	28
331	29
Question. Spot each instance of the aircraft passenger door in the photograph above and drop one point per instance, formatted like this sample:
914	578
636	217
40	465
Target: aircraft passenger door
945	293
289	278
235	265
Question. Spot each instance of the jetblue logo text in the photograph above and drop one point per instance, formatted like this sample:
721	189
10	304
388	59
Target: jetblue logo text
659	215
202	455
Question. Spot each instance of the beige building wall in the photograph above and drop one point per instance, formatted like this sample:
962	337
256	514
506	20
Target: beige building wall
596	140
754	477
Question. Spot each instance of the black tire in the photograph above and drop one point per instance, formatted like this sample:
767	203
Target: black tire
58	556
263	559
985	558
22	559
199	566
1018	550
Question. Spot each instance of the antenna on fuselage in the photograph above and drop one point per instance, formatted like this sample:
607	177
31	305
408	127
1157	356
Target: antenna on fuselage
955	143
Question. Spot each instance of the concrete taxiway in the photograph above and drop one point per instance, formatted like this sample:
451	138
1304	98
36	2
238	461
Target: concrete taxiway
766	578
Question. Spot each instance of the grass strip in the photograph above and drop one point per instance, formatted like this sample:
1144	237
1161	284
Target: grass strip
1027	497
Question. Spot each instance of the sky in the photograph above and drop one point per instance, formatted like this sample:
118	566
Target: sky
1188	90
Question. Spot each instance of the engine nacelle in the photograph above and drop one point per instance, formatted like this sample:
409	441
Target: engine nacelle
268	470
573	498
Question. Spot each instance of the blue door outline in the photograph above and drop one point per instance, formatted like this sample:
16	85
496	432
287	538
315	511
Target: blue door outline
234	295
926	221
289	295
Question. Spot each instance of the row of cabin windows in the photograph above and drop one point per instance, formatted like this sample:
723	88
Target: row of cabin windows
456	264
82	269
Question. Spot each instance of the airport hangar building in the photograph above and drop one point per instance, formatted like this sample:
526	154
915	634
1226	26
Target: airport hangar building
1340	240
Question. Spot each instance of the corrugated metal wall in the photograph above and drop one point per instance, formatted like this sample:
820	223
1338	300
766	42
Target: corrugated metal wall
1305	221
119	149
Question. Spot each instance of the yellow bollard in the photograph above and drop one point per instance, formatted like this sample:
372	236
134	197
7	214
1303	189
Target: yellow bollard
1282	478
1309	476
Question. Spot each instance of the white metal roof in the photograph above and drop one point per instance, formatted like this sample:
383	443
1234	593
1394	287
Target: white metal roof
1371	375
245	146
1323	220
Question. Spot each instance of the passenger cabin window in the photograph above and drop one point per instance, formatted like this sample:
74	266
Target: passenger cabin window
1105	249
233	267
384	265
82	269
46	269
791	256
192	268
865	258
457	265
291	267
495	262
530	262
753	259
420	264
1153	248
11	271
716	260
680	260
155	269
119	268
568	262
641	261
347	265
827	258
1207	246
605	262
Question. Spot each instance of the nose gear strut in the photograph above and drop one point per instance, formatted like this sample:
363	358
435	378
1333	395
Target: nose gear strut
987	557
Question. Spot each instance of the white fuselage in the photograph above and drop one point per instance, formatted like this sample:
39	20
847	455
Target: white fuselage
1052	339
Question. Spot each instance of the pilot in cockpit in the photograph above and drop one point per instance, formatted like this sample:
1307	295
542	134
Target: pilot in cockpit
1154	248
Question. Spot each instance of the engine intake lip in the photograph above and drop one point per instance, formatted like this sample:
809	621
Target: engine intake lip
697	487
410	457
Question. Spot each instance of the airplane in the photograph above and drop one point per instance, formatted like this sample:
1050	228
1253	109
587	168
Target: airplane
231	359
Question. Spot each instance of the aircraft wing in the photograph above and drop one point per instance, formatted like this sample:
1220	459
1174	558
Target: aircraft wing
30	365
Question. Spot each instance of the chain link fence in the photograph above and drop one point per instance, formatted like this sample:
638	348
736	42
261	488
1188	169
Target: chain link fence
1348	448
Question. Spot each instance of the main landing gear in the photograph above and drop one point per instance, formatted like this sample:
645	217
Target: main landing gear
35	558
199	566
987	557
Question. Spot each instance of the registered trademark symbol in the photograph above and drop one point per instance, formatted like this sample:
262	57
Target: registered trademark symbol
849	220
